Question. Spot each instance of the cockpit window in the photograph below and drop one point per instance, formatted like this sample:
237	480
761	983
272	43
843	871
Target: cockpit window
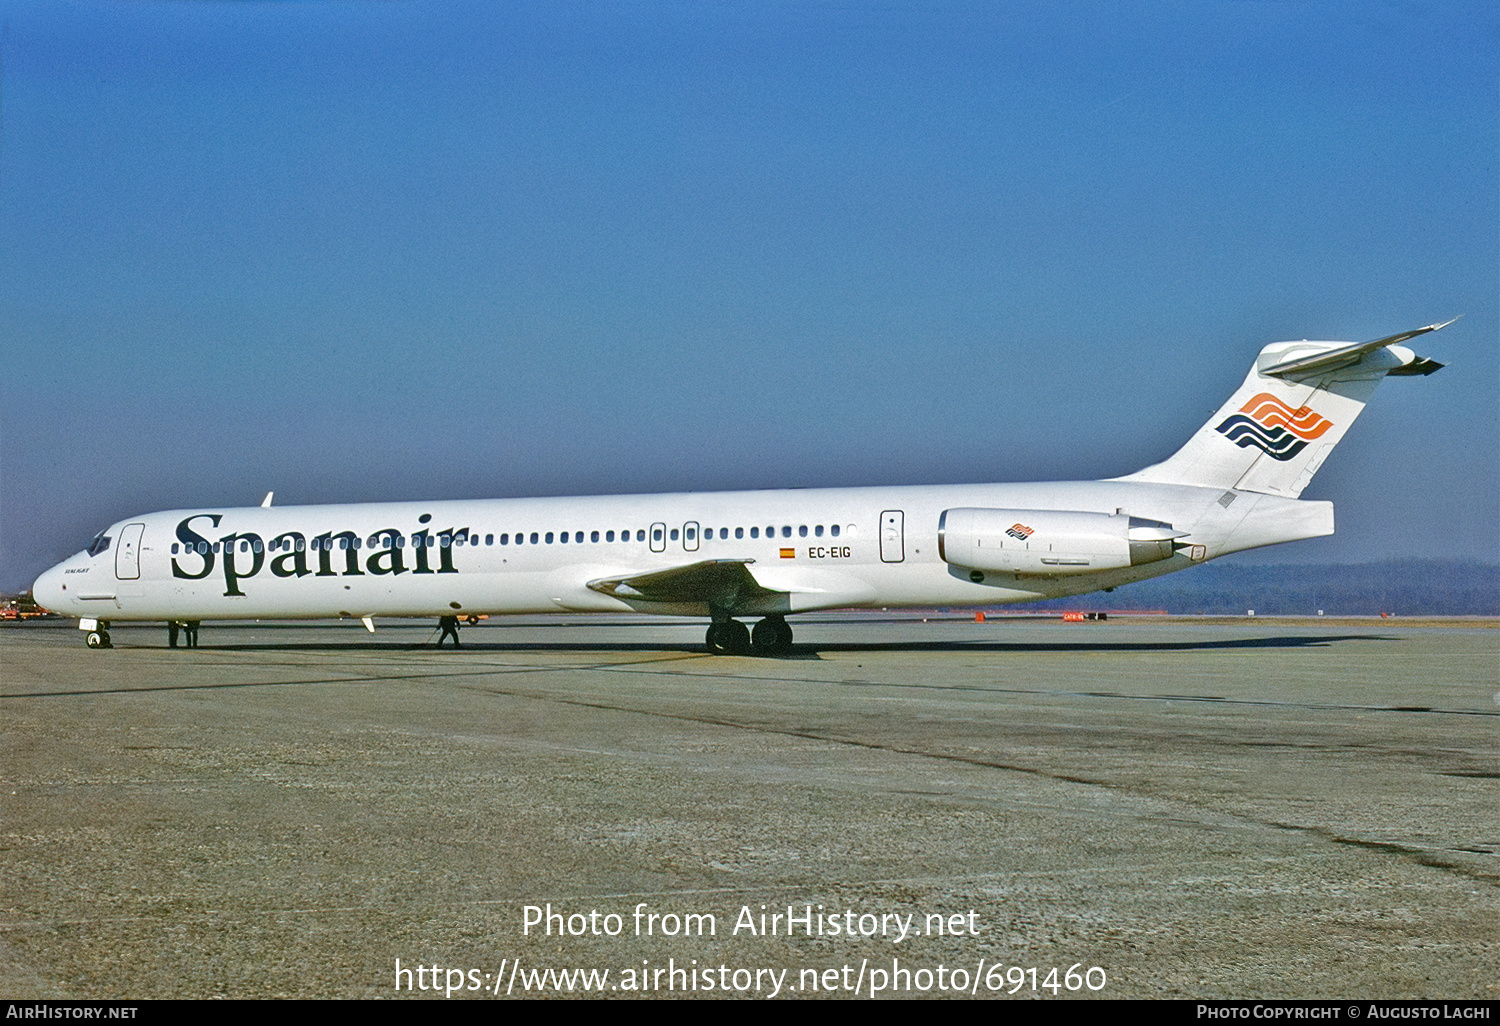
99	544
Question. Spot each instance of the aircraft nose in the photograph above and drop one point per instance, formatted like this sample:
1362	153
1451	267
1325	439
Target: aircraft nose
48	591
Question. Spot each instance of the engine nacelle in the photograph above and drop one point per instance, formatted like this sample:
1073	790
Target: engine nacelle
1050	542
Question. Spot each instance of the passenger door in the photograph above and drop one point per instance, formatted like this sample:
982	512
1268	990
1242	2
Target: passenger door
128	553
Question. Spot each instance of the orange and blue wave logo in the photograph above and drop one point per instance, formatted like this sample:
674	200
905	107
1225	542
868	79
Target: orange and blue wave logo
1020	532
1273	427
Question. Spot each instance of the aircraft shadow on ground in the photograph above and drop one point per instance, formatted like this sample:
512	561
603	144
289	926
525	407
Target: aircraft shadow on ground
808	650
800	652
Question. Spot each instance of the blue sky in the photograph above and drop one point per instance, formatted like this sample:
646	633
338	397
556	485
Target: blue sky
370	251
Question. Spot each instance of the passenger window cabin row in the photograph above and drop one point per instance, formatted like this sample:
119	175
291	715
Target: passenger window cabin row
387	539
687	534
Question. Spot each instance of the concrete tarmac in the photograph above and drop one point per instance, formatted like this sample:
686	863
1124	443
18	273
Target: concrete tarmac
1167	809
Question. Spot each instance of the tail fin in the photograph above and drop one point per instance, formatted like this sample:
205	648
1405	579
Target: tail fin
1298	400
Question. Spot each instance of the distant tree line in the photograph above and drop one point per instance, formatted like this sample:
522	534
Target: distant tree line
1403	587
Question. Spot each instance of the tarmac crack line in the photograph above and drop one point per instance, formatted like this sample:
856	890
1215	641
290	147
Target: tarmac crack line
405	675
1210	699
1422	856
1419	855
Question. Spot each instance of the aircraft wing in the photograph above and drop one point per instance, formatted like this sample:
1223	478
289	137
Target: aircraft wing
726	583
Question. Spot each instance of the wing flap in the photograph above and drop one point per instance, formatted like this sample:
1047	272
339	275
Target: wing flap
726	583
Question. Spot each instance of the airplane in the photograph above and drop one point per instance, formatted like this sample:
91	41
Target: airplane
1235	485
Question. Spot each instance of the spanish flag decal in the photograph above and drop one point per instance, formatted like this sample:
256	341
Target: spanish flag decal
788	553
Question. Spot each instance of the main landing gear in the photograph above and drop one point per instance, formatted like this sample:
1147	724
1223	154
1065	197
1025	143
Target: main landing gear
728	637
771	637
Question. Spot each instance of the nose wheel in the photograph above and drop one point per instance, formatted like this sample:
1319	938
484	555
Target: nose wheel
98	639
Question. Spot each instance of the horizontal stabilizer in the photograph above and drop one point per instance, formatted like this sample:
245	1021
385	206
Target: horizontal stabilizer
1421	365
1343	356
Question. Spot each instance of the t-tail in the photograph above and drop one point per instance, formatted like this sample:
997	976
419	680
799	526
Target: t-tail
1298	400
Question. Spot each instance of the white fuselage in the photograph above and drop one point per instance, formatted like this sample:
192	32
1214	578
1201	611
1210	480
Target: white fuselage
806	549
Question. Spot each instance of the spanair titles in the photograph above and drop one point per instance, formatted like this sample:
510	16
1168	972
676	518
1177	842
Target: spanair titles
332	553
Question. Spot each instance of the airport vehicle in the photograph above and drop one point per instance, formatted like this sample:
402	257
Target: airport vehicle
726	555
22	607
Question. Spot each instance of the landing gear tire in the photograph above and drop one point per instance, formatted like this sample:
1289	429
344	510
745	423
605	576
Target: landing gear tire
728	638
98	639
772	636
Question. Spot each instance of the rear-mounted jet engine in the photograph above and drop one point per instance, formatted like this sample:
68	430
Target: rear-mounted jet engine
1050	542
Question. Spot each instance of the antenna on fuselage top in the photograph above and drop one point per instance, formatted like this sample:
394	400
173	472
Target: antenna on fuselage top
267	503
